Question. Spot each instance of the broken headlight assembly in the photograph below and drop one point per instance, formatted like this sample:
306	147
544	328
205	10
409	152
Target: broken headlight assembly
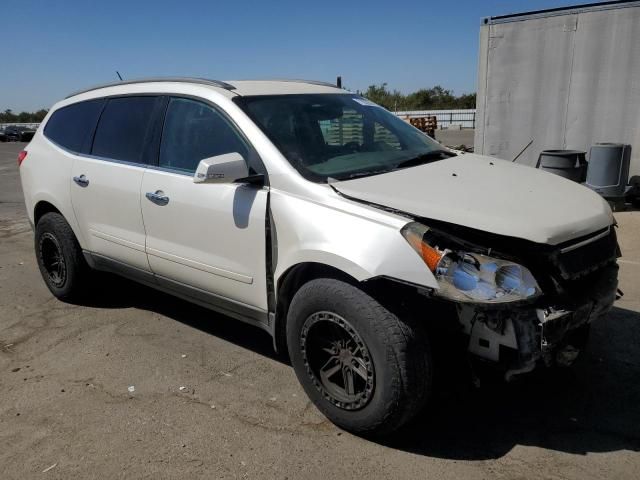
472	277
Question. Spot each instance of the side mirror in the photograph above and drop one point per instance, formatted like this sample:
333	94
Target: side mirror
225	168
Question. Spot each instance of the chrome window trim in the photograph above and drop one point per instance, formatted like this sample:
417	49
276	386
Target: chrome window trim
174	171
112	160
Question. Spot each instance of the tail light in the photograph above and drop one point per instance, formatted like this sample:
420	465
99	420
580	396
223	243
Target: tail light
21	156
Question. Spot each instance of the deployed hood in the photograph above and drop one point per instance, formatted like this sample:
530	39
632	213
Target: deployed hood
490	195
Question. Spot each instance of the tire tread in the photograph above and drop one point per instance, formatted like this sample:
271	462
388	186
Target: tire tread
407	352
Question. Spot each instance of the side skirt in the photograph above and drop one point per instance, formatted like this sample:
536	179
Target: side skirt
226	306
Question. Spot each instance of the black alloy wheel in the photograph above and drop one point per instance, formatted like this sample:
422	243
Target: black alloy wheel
337	360
53	260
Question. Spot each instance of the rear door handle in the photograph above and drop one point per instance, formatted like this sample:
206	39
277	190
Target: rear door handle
158	197
81	180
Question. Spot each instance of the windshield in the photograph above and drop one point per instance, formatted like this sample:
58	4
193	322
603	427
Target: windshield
339	136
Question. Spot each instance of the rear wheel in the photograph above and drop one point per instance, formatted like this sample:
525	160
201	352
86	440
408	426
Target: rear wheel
364	368
60	258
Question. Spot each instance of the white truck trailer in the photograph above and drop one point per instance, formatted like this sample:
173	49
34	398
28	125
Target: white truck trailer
562	78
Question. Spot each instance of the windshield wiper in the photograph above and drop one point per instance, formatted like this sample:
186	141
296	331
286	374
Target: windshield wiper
428	157
365	173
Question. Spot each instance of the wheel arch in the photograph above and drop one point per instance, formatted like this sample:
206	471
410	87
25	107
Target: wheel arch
42	207
46	205
391	292
288	283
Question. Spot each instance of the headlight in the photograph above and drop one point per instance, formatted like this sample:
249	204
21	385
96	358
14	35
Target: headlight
472	277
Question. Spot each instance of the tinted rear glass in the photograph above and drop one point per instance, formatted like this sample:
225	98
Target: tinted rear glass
123	127
71	126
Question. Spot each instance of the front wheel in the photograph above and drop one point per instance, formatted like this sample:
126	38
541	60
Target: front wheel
364	368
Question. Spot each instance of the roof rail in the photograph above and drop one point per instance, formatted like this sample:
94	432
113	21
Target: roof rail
297	80
201	81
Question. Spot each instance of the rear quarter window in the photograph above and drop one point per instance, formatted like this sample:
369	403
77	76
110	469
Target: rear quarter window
71	126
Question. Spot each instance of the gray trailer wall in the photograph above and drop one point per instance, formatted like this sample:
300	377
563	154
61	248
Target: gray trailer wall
565	80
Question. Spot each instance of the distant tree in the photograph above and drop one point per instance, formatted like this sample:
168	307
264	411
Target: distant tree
23	117
467	100
382	96
420	100
40	114
434	98
7	116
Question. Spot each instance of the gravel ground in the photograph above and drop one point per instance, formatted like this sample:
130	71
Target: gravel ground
139	384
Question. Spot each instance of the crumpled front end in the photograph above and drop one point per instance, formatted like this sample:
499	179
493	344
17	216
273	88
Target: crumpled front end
580	286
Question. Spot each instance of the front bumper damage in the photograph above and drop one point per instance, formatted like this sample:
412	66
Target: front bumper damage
553	333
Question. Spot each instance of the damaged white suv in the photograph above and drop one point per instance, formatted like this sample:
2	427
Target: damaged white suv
351	237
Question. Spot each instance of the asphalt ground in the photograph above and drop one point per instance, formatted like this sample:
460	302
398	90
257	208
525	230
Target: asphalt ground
66	409
456	138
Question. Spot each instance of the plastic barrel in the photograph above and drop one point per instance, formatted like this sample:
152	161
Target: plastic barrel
570	164
608	171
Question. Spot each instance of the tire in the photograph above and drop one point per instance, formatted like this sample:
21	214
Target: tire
394	369
572	347
55	242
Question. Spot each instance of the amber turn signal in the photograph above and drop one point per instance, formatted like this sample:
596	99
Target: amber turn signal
414	234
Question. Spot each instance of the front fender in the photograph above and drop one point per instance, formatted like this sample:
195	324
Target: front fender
358	240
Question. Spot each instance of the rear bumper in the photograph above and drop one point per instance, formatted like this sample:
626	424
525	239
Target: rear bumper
552	334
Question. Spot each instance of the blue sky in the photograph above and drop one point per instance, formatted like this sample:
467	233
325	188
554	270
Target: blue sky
52	48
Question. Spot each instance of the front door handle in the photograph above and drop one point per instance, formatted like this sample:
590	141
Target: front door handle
158	197
81	180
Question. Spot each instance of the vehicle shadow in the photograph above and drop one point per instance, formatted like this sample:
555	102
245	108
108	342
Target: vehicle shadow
591	407
124	293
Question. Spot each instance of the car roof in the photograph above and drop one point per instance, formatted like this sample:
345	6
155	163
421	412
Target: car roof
282	87
233	87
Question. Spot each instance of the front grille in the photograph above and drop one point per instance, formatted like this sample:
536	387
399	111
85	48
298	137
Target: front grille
588	258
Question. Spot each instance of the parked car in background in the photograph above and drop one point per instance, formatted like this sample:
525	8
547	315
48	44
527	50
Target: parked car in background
11	133
19	133
359	243
3	136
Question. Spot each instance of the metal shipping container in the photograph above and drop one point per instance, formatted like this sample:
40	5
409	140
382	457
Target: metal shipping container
565	78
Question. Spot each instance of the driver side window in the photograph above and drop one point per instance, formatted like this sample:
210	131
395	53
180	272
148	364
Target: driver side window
194	131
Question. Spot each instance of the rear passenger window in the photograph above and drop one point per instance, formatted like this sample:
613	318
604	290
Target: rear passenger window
70	127
123	128
194	131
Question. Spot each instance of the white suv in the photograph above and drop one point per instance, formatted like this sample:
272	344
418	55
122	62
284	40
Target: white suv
359	243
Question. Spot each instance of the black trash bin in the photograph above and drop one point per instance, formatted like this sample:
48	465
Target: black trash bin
608	172
570	164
